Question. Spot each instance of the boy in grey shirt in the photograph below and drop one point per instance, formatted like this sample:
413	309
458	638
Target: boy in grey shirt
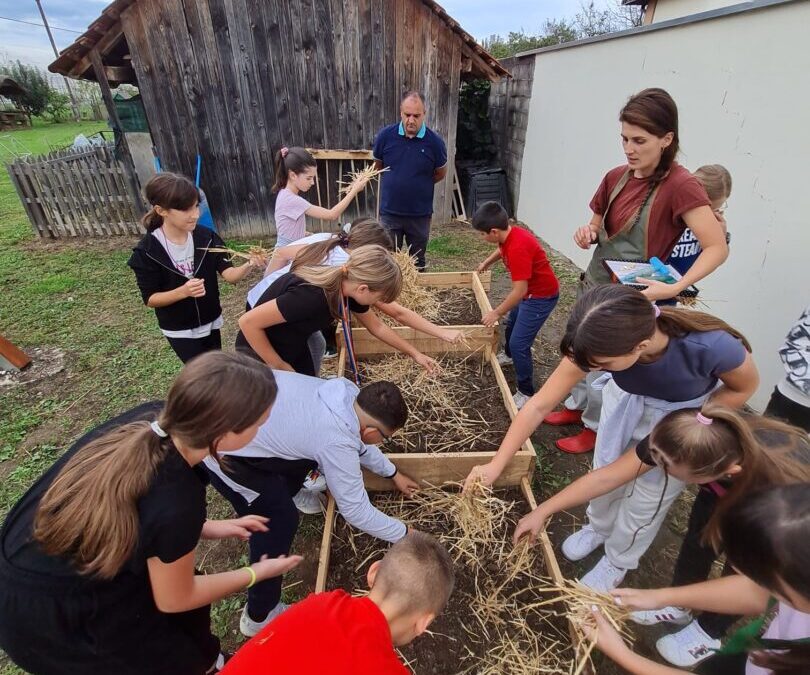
329	424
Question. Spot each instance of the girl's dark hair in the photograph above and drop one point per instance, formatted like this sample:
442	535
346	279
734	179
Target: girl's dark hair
766	537
654	111
290	159
90	511
770	452
363	231
611	320
169	191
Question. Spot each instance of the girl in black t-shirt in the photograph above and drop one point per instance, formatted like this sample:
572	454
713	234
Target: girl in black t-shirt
97	558
309	297
175	270
729	455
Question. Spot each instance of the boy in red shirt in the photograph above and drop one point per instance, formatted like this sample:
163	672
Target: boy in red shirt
534	293
336	634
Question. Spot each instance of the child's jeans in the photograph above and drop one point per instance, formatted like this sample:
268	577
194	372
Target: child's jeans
522	326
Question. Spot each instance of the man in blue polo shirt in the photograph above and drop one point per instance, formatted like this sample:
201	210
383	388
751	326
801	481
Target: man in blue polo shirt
416	158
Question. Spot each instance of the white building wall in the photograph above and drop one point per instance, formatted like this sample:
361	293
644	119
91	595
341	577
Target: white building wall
741	85
675	9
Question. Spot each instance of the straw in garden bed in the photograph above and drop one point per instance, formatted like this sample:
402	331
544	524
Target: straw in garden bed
503	590
439	416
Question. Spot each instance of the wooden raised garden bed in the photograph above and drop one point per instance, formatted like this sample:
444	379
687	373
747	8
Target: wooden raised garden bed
463	638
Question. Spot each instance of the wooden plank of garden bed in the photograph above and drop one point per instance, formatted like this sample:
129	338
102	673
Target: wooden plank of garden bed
477	337
440	467
455	279
326	546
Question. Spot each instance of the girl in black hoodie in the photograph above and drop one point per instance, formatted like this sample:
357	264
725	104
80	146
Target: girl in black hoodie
175	271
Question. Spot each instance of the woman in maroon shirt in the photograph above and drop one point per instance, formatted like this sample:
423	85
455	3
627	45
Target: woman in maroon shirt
640	210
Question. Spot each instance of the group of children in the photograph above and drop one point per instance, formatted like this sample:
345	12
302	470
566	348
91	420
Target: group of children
97	559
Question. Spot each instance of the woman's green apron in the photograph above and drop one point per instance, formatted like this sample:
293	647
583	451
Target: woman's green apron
630	242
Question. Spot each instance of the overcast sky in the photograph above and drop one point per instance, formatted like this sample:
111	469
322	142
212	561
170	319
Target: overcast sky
481	18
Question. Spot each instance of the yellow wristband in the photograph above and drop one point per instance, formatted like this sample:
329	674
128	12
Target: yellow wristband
252	573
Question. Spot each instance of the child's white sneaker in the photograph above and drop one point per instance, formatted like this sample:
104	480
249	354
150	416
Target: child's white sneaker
688	647
248	627
582	543
504	360
315	481
308	502
650	617
604	576
520	399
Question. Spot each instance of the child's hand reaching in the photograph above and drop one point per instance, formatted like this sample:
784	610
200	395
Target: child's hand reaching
405	485
638	599
194	288
530	525
605	636
490	318
267	568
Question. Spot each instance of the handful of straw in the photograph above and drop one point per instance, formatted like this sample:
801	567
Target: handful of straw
249	254
366	173
579	601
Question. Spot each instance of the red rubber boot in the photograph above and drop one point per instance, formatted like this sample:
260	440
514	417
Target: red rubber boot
563	417
584	441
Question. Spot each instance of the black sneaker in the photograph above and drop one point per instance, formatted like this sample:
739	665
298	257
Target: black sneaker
330	353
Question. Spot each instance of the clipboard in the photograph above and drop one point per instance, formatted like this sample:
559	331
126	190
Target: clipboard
622	268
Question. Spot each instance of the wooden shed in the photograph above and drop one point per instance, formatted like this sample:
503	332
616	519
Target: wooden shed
233	80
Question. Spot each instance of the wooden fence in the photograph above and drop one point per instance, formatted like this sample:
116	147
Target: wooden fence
76	193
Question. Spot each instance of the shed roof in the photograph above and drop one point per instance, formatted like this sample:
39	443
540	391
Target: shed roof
9	87
106	34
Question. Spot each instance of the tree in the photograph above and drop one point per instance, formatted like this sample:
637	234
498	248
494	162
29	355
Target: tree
554	32
590	21
32	79
58	108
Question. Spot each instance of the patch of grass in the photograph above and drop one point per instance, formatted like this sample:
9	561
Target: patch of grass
446	246
28	469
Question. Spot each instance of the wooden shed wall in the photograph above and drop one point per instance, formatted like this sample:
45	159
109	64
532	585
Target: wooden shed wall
509	115
233	80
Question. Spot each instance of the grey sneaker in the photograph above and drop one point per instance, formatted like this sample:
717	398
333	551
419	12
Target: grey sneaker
248	627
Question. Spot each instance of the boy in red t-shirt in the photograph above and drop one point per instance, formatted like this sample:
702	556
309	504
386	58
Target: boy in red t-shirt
534	293
339	634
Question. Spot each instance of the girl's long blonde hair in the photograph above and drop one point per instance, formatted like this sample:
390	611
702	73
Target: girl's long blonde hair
89	513
371	265
770	452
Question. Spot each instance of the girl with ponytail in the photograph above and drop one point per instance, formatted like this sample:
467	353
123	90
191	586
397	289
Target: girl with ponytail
310	297
175	271
728	454
295	172
654	360
766	539
640	210
334	250
97	558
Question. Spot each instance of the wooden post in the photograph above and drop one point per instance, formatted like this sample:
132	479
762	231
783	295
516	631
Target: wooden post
115	123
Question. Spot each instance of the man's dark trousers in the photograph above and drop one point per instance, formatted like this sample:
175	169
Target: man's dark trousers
411	231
